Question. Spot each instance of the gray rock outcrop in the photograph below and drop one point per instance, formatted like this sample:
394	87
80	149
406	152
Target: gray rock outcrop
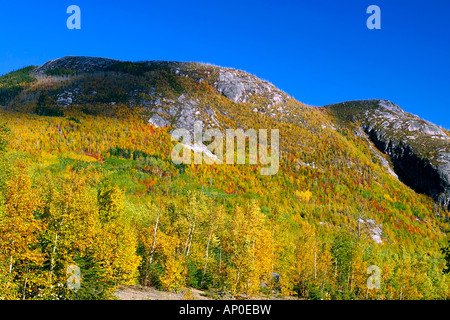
419	150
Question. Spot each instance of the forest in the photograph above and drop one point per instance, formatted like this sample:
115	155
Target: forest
92	184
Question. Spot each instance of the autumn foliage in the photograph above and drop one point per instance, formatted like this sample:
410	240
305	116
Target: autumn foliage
100	192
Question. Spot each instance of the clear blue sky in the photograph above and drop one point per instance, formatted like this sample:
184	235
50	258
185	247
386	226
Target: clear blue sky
318	51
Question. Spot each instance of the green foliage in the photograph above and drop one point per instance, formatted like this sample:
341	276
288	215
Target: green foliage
343	253
21	76
4	136
44	109
49	111
133	68
11	84
60	72
76	120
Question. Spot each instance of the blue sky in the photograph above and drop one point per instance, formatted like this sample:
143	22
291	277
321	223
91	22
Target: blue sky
318	51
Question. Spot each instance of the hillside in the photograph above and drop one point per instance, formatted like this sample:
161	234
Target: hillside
88	151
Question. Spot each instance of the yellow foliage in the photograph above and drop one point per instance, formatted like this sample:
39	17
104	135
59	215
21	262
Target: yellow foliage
304	196
79	157
174	268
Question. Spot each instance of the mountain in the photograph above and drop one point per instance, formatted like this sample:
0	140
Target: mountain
86	144
165	88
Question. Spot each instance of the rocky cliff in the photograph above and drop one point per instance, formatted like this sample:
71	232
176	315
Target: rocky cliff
419	150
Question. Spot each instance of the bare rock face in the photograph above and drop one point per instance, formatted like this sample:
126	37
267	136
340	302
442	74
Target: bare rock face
236	85
158	121
239	86
230	86
419	150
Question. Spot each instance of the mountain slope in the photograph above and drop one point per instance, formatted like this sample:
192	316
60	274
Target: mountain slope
103	127
166	89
